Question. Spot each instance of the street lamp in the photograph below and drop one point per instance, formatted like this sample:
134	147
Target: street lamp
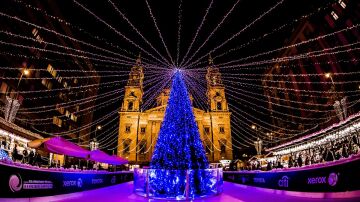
98	127
94	145
26	72
258	143
328	75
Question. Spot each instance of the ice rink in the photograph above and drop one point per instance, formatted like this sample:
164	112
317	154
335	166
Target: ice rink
123	192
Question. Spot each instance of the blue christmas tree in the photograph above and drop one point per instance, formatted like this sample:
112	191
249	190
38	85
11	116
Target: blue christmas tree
179	155
179	146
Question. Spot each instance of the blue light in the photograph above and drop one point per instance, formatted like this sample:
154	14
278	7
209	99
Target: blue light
179	146
179	153
4	155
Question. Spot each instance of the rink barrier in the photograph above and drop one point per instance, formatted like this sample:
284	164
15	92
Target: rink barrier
338	178
19	182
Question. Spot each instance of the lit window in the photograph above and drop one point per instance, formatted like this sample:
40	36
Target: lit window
222	129
334	15
73	117
142	130
218	106
67	113
4	87
126	146
47	83
207	130
57	121
51	70
130	106
127	129
222	149
342	3
34	31
59	78
142	147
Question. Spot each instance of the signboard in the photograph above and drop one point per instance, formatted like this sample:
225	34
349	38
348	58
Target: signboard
18	182
334	178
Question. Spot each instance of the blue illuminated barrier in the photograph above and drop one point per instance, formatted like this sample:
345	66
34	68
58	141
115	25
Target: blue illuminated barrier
178	184
337	178
19	181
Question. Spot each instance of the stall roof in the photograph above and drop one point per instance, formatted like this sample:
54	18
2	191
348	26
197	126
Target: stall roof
316	134
17	130
60	145
100	156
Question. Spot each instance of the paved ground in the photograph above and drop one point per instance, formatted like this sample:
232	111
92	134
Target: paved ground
123	192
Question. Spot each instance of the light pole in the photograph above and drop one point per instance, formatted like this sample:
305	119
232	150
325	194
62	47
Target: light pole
340	105
25	72
94	145
258	142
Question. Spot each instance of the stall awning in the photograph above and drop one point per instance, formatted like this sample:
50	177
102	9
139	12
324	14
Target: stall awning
103	157
60	145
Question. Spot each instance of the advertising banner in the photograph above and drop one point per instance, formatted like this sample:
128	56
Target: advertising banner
334	178
16	182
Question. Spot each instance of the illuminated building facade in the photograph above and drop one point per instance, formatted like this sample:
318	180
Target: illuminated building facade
138	130
290	85
53	80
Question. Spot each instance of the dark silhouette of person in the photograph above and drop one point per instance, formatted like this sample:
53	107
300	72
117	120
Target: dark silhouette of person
299	161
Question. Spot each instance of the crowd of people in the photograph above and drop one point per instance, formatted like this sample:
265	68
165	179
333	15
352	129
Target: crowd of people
330	151
31	158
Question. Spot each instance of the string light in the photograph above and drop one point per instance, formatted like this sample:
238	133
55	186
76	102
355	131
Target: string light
118	33
197	32
238	33
159	32
136	30
179	32
213	32
253	40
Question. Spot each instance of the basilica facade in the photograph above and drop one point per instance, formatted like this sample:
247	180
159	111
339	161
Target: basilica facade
138	130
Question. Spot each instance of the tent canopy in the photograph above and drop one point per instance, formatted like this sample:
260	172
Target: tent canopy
103	157
60	145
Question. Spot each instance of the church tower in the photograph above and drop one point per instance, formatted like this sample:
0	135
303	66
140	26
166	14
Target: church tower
220	130
130	112
215	88
134	88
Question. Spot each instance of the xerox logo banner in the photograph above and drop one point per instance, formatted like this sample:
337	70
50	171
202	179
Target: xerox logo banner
331	180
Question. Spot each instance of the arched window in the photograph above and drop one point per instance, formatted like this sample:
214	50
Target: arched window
142	147
222	149
218	106
130	106
222	143
126	146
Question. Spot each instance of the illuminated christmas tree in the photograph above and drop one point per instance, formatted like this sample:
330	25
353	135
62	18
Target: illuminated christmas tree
179	146
179	155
